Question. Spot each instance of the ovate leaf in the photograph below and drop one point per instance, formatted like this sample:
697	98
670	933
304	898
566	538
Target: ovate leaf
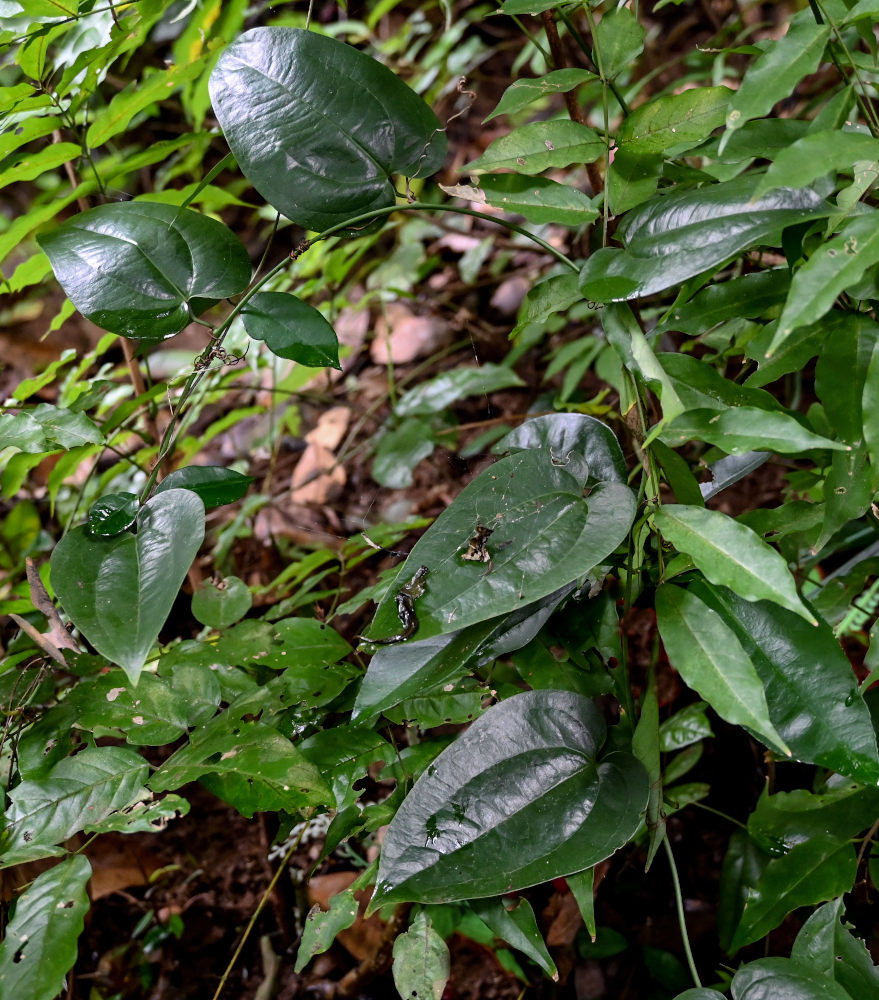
527	782
442	391
741	429
119	591
112	514
291	329
40	944
524	91
214	484
784	979
222	603
538	199
421	961
678	120
815	155
319	128
143	269
539	146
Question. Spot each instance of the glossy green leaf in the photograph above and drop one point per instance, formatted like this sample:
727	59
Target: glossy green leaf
533	148
804	343
699	385
748	295
774	75
22	431
815	155
214	484
77	792
632	178
687	726
582	886
422	964
870	407
248	764
119	591
66	427
142	269
848	492
813	871
538	199
544	535
400	450
784	979
841	374
526	782
730	554
318	127
29	166
645	746
439	393
526	90
343	754
619	40
711	660
512	7
700	993
810	689
837	264
40	942
674	237
678	120
322	926
220	604
746	428
781	821
112	514
518	927
571	437
826	945
731	469
291	329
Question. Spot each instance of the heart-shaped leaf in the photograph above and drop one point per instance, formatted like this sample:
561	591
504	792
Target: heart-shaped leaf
119	591
527	782
291	329
319	128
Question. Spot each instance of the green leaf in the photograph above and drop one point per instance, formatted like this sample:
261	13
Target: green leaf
571	436
811	692
526	90
119	591
400	450
619	40
687	726
841	374
439	393
582	886
343	754
679	120
526	783
815	155
248	764
826	946
317	127
711	660
645	746
65	427
141	269
700	993
321	927
632	178
223	603
147	815
870	407
698	385
732	555
745	428
112	514
40	944
674	237
291	329
544	535
538	199
774	75
518	927
837	264
22	431
214	484
784	979
76	793
303	642
748	295
29	166
785	819
422	964
538	146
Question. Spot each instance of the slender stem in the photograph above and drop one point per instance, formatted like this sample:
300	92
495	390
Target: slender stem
682	920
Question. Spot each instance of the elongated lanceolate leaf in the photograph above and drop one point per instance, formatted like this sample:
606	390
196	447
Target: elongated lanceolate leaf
544	534
746	428
143	269
674	237
709	657
291	329
539	146
214	484
730	554
319	128
119	591
784	979
538	199
815	155
39	947
678	120
527	782
524	91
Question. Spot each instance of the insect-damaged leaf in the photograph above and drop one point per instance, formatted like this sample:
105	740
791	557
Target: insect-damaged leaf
527	782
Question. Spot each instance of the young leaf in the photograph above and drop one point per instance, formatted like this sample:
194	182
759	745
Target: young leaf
539	146
775	74
525	91
319	128
291	329
525	782
141	269
421	961
39	947
711	660
678	120
732	555
119	591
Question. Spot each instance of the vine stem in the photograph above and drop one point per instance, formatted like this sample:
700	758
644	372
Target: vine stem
679	905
